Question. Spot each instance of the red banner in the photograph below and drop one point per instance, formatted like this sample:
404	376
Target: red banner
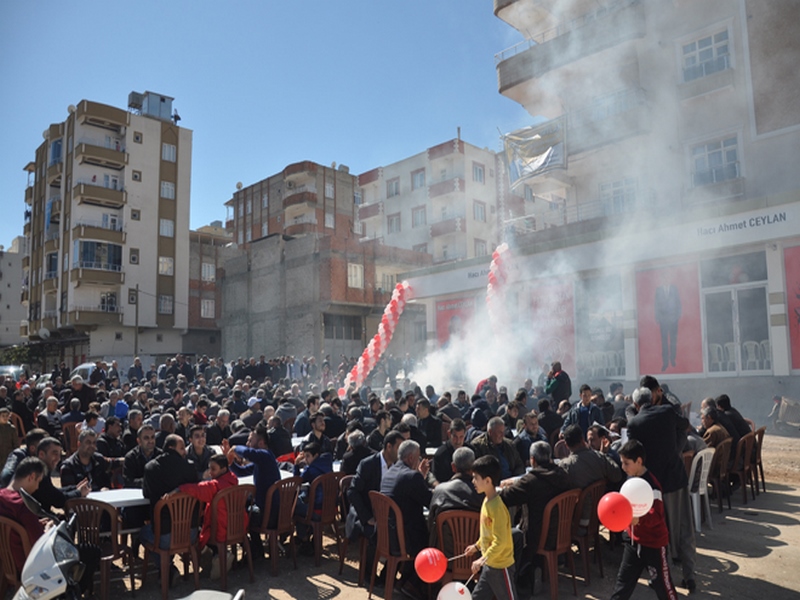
791	261
553	325
452	316
668	305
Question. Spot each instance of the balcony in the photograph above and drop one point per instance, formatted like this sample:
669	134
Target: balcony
29	195
54	172
26	262
23	329
570	41
449	186
99	195
523	15
24	296
229	224
449	256
721	183
609	119
303	168
50	282
89	153
300	197
51	241
97	272
98	230
446	149
91	316
26	229
448	225
55	209
300	228
101	115
368	211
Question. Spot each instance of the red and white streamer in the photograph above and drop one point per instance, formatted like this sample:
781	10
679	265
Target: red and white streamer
377	346
499	275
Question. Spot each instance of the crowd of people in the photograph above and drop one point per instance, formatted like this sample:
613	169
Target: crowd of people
197	428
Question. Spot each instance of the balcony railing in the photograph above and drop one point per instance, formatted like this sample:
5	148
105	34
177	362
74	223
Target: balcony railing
460	255
99	224
98	266
104	308
53	234
716	174
51	274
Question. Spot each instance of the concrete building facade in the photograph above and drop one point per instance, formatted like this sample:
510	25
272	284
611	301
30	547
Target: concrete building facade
666	239
108	232
443	201
12	312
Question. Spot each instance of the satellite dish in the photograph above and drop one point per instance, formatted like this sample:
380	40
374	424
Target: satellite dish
44	333
71	108
46	133
238	185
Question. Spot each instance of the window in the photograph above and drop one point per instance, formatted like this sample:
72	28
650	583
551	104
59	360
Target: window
51	262
248	234
168	190
480	248
418	216
706	56
166	227
393	223
137	137
249	206
118	335
165	302
418	179
240	237
421	248
65	262
713	162
443	174
342	327
264	200
136	214
328	189
55	152
264	229
111	182
97	255
393	187
108	302
420	332
208	272
330	220
207	309
388	282
136	175
479	211
241	209
166	265
478	172
357	197
168	152
618	197
355	276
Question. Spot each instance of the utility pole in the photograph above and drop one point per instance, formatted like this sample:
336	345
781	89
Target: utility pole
136	325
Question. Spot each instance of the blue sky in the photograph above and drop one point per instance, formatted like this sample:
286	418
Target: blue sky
261	83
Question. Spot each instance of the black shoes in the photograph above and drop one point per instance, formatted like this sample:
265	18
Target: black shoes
689	584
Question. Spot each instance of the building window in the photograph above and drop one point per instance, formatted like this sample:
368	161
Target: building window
706	56
168	190
393	187
341	327
478	172
133	295
137	137
51	262
134	256
136	214
166	265
388	282
418	179
479	211
355	276
169	152
618	197
249	206
240	237
393	223
420	332
97	255
136	175
357	197
241	209
55	152
418	216
420	248
264	229
716	161
208	272
108	302
165	303
330	220
207	309
264	200
480	248
328	189
166	227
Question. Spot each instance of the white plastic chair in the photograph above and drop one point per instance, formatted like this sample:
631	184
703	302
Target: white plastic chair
730	356
702	461
214	595
751	355
715	357
766	354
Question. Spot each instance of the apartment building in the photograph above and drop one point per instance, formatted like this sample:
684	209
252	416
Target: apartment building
442	202
107	224
661	201
12	312
302	199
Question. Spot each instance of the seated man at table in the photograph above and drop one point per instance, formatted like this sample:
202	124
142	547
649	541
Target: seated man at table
133	472
544	481
88	463
280	440
531	432
198	453
162	475
443	459
495	442
317	434
48	495
220	429
28	448
129	437
27	476
457	493
310	465
264	469
109	443
356	452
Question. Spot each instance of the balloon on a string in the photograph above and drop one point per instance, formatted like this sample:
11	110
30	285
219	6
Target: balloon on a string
615	511
455	590
430	565
639	494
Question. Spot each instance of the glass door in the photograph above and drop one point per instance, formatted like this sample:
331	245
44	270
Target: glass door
720	333
737	331
753	343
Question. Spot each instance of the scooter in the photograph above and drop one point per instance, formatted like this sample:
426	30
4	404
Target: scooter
53	567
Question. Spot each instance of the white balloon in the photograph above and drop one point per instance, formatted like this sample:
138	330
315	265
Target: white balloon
455	590
639	494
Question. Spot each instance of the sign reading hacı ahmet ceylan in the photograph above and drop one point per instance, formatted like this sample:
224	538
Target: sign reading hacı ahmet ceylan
739	224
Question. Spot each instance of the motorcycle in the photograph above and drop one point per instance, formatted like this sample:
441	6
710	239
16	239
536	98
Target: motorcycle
53	567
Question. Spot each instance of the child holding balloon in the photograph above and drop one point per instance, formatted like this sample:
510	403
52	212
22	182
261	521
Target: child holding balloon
649	535
496	565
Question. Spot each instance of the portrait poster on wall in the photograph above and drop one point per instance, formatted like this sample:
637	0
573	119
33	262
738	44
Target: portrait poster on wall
452	316
669	324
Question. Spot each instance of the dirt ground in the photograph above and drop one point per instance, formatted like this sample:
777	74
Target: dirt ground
753	552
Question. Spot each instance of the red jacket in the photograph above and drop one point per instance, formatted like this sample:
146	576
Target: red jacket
205	492
651	531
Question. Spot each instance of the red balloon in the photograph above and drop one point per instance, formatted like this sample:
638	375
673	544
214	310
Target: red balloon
341	392
615	511
430	565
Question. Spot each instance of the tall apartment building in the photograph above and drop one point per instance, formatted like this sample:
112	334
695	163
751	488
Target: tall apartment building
303	198
12	313
662	201
442	201
108	232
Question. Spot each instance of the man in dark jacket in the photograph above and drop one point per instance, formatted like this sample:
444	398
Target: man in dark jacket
48	495
543	482
88	463
162	475
457	493
495	442
429	424
443	459
658	427
356	452
558	384
549	420
585	413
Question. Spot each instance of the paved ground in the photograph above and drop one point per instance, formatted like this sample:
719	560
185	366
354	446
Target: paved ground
753	552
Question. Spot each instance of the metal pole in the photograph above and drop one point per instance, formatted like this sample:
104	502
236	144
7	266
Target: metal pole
136	325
